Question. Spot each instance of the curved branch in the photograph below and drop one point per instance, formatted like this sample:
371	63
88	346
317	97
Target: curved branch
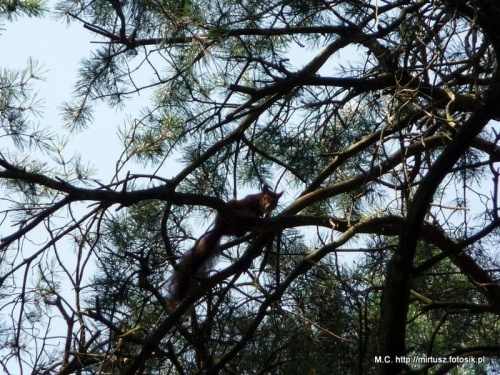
398	280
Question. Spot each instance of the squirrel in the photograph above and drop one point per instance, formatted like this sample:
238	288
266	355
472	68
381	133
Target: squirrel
195	263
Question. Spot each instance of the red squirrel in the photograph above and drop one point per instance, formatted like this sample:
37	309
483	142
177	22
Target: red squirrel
195	263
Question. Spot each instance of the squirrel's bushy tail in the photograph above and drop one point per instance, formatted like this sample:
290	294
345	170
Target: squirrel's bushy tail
193	265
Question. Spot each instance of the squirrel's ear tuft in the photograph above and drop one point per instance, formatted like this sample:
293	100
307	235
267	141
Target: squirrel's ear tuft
265	188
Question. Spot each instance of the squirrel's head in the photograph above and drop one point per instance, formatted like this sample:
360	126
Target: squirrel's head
269	199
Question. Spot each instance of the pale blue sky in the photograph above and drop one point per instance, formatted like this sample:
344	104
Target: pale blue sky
59	48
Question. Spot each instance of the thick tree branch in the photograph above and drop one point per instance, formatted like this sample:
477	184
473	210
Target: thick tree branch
398	280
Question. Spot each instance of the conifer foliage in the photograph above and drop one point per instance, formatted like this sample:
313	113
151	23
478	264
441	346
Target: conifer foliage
377	118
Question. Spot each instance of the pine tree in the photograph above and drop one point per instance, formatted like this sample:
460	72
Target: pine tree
378	119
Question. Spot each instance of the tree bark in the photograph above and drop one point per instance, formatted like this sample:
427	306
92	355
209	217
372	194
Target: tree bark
394	308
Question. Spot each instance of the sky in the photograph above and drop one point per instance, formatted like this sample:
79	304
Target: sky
59	48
